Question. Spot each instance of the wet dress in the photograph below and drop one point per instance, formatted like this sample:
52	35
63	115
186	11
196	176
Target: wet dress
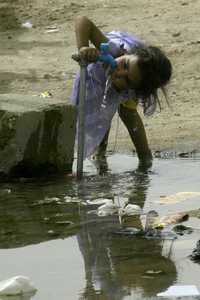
99	114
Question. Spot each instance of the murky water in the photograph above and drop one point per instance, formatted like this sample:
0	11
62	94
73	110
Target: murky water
71	253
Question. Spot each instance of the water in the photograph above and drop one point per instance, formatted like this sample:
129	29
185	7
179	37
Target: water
70	253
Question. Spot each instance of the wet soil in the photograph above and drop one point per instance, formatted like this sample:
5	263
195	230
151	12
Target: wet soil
38	59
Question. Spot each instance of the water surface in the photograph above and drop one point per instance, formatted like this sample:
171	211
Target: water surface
71	253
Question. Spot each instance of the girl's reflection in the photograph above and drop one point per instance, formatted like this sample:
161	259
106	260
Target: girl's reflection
117	266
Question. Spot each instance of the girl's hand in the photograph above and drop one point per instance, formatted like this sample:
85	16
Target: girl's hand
89	54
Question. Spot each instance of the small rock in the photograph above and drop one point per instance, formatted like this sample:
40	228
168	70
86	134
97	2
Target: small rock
176	34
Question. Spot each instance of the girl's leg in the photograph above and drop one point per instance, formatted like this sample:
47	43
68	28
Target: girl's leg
101	151
134	124
99	156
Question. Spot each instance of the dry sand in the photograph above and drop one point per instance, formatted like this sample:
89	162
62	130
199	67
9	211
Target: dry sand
38	59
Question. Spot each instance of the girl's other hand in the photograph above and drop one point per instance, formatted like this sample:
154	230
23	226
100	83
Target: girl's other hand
89	54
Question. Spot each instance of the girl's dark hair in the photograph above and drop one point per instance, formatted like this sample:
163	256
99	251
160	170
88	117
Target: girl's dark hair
156	71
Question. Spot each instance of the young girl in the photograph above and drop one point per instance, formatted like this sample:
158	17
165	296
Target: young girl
140	71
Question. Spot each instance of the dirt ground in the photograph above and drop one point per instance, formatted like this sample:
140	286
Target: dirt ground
38	59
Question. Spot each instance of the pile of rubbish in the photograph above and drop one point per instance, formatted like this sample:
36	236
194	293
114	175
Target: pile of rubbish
151	224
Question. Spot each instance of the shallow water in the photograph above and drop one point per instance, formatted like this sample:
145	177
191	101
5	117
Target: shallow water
71	253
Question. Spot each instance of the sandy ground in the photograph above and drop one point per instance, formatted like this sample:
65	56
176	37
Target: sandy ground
38	59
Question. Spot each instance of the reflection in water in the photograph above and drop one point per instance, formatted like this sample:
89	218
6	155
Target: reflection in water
30	213
117	266
26	296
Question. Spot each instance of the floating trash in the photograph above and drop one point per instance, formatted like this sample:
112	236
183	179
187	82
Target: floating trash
117	206
130	231
46	94
152	221
180	291
154	272
162	222
69	199
17	285
127	213
52	29
107	209
181	229
130	210
51	199
151	234
99	201
148	220
47	201
178	197
65	223
5	191
160	235
27	25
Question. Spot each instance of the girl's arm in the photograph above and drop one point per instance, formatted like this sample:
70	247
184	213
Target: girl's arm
86	31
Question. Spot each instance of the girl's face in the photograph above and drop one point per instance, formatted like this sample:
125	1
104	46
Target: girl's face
127	74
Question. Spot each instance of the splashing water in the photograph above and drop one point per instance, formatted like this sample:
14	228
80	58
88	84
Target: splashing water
108	84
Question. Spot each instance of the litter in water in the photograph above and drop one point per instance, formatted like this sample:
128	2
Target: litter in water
45	94
53	30
107	209
162	222
153	234
69	199
178	197
17	285
130	231
111	207
130	210
181	229
48	200
153	225
27	25
180	291
148	220
154	272
99	201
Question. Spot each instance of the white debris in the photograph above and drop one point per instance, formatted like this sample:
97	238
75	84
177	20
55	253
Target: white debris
107	209
52	199
52	30
180	291
27	25
130	210
17	285
69	199
179	197
99	201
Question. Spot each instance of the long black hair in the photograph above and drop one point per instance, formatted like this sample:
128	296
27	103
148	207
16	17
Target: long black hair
156	71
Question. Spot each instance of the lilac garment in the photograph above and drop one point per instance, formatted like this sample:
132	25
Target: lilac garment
98	118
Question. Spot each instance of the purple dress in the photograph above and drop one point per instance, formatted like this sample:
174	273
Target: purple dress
98	117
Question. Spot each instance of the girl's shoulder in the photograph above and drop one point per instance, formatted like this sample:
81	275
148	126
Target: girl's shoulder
123	39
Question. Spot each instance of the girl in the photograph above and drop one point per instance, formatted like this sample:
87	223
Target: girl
140	71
